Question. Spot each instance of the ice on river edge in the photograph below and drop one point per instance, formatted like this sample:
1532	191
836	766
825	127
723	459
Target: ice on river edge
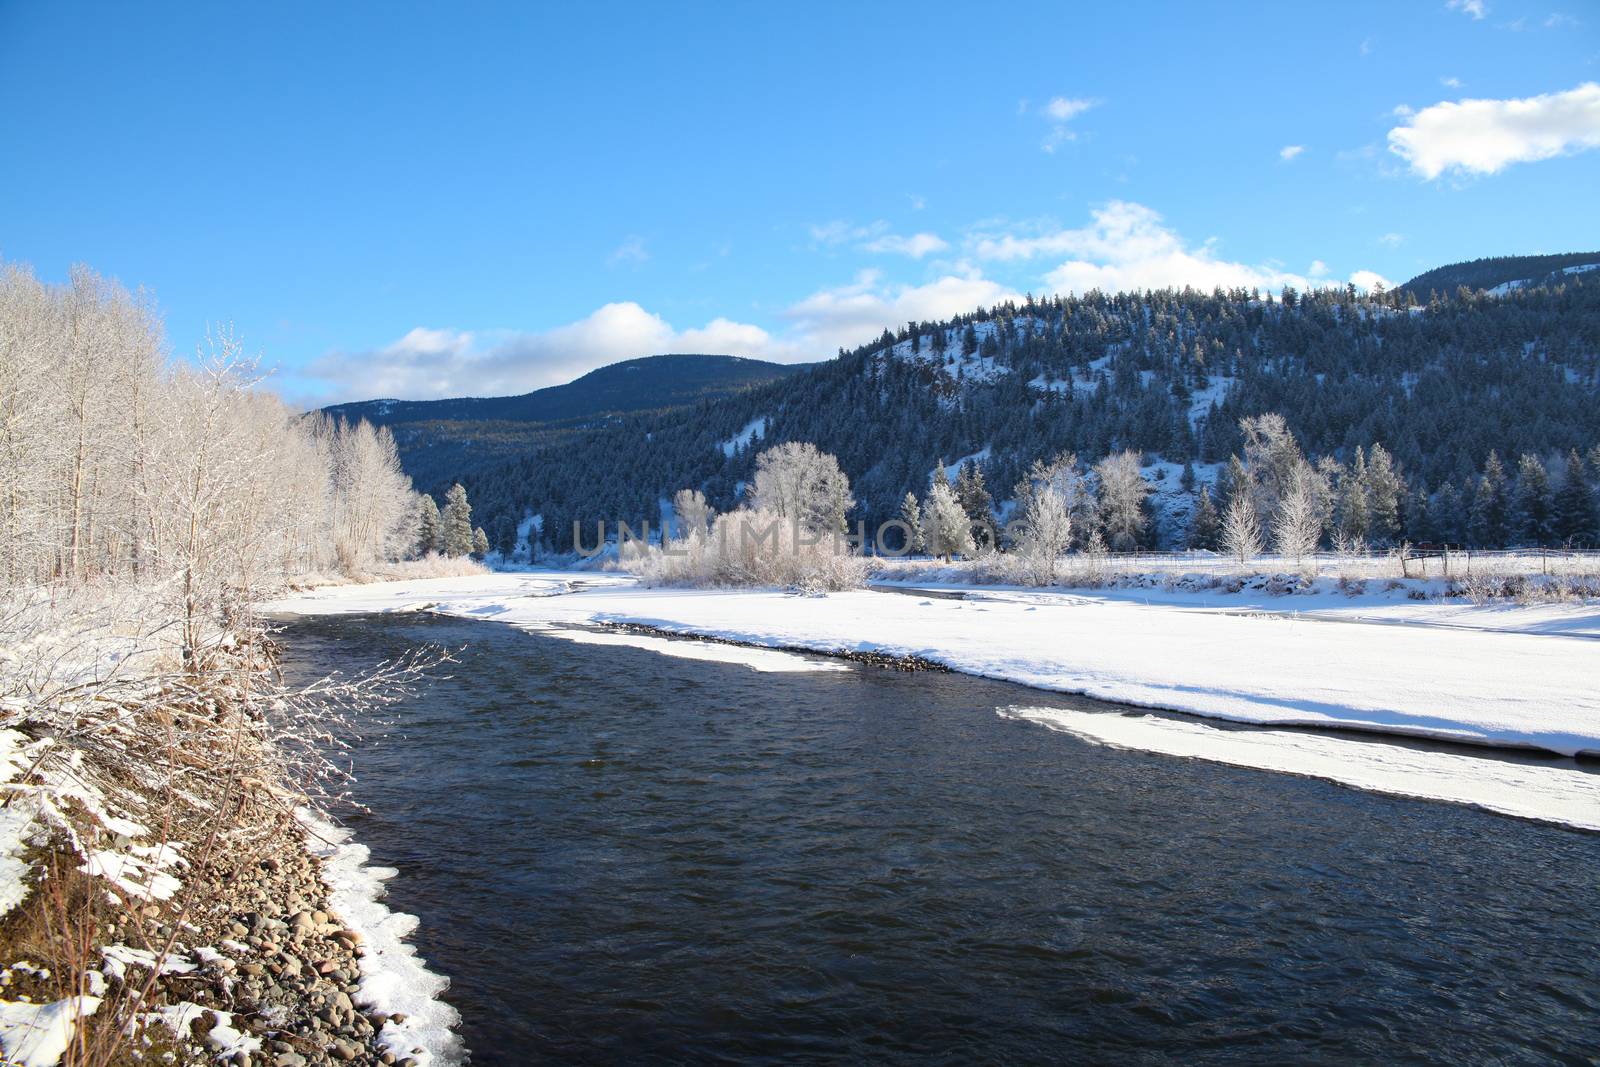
394	979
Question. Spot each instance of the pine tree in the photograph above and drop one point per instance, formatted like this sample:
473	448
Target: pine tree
428	525
456	522
1576	520
1206	526
911	515
1535	507
480	543
1489	526
1447	515
1384	490
1354	519
974	498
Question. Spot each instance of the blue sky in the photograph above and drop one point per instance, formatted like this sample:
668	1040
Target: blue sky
426	200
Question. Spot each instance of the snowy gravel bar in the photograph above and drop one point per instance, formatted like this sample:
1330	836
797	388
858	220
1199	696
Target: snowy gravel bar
1525	678
1530	686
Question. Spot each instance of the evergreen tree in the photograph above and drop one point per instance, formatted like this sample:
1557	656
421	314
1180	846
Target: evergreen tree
1384	491
1535	507
1489	525
1576	522
974	498
911	515
1354	520
428	525
480	543
1447	517
456	522
1206	525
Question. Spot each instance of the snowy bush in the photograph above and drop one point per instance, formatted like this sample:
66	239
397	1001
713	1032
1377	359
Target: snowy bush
752	548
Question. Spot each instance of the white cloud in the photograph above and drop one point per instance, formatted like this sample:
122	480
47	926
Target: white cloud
1128	246
428	363
838	232
1317	268
916	246
1393	240
1450	83
1476	8
1289	151
1060	111
1369	280
1558	20
854	314
1485	136
632	251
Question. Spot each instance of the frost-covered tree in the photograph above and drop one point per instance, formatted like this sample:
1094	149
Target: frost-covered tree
1297	526
1241	529
946	530
1120	500
694	515
457	522
1064	477
480	543
911	515
797	482
1046	527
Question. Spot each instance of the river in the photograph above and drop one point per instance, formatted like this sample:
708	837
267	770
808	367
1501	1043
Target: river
620	856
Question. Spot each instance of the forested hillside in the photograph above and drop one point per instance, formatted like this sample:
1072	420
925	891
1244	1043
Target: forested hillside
1166	374
1497	271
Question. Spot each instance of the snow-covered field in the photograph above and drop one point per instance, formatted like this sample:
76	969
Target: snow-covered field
1523	677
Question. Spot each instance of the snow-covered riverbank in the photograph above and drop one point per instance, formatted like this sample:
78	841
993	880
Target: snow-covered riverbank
1503	676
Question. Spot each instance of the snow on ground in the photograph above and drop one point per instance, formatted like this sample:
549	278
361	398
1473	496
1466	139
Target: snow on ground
1487	676
37	1035
1495	675
756	427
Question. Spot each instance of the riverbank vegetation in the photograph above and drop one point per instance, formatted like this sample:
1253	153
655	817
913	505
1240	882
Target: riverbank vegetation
154	769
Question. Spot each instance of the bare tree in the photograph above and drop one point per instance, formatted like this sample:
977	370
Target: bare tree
1241	529
1297	526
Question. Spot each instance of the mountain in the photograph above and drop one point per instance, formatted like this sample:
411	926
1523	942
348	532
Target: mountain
1500	272
632	385
443	439
1167	373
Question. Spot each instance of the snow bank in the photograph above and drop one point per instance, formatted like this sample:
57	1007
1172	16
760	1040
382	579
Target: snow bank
394	979
1408	673
758	659
1559	794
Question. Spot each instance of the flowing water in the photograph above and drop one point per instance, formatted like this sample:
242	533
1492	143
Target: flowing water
624	857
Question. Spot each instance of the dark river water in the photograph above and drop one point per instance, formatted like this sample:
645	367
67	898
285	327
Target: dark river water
624	857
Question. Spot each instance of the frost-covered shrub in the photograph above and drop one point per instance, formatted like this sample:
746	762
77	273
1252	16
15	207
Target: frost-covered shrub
754	548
